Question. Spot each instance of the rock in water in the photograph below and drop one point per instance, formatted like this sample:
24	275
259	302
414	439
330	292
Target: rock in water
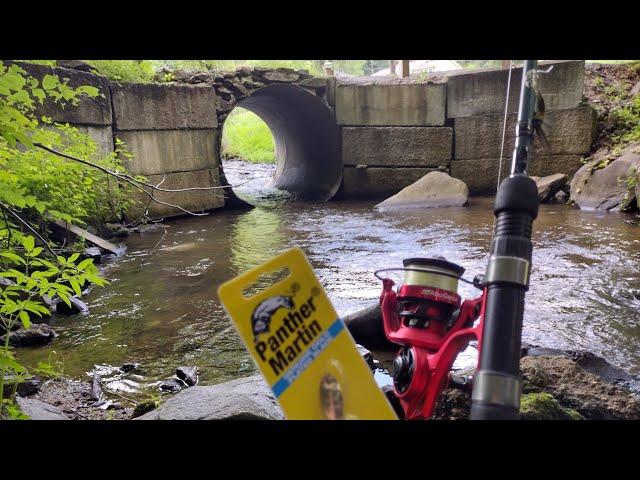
549	186
77	306
560	197
129	366
31	337
594	188
188	375
172	385
244	398
96	389
366	354
26	388
435	189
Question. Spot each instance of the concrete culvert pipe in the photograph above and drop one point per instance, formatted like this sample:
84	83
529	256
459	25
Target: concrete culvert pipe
306	137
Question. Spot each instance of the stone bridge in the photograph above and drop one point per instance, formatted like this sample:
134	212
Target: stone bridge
345	137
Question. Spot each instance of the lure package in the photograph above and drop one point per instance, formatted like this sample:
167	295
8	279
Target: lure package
304	351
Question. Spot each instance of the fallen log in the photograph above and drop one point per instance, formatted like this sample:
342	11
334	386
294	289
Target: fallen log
90	237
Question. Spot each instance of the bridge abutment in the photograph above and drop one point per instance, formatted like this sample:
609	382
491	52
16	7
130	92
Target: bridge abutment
353	137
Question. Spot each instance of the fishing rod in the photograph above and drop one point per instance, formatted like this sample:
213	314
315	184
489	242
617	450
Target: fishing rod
496	384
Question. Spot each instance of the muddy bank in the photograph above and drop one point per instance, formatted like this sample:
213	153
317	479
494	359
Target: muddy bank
555	387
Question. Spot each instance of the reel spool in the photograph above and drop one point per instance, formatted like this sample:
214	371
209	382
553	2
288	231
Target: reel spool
429	295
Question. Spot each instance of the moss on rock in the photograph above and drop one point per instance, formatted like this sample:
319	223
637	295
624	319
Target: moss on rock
543	406
144	407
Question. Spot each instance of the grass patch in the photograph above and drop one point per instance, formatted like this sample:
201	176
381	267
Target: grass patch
246	136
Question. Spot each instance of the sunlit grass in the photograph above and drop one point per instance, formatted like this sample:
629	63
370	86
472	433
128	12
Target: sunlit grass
245	135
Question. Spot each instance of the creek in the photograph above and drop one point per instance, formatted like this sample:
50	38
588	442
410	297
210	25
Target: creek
161	309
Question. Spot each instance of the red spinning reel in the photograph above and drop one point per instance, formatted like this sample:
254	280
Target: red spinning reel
428	319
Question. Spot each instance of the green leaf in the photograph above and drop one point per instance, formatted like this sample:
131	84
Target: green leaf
39	94
65	298
88	90
24	318
14	257
50	82
76	286
73	258
35	252
85	263
28	243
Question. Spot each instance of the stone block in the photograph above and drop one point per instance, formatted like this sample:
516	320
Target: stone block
481	174
378	182
397	146
483	92
391	104
167	151
162	107
102	135
89	111
567	131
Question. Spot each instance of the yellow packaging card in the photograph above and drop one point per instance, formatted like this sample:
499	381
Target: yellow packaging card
303	349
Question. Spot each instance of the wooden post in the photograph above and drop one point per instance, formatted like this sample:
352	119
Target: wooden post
405	68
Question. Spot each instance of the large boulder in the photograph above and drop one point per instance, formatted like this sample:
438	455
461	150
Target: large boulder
575	388
554	387
30	337
550	185
603	185
435	189
244	398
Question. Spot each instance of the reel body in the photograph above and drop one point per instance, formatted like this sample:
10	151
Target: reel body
427	317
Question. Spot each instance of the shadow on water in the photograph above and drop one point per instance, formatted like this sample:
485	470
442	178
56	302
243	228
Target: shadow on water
161	310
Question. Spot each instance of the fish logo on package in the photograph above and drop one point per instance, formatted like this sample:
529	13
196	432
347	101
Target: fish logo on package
304	351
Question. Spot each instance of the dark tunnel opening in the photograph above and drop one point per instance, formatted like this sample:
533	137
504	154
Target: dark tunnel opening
307	140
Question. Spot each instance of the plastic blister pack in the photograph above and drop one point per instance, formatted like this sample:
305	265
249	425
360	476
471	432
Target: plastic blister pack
302	348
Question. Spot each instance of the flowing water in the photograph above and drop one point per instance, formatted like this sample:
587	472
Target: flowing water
161	309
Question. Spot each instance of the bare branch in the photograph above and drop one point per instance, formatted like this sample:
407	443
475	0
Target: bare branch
125	176
158	242
29	227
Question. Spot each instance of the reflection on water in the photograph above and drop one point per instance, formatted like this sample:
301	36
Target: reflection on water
161	310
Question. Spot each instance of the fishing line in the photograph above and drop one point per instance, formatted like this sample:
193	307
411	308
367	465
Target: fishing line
504	124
